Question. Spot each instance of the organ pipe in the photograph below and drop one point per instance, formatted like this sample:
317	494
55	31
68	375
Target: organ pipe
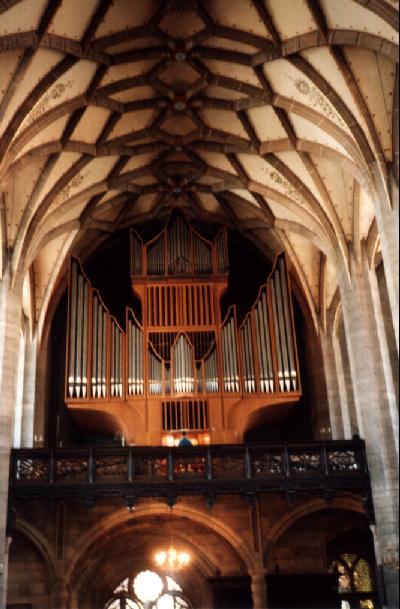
222	251
247	355
211	371
135	356
116	373
288	325
229	354
155	373
183	365
78	335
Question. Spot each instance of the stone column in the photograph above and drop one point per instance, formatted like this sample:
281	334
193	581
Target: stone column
60	595
387	216
10	326
73	600
371	400
389	387
259	588
332	386
28	397
345	392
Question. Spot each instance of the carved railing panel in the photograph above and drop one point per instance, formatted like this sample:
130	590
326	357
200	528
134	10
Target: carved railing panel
266	463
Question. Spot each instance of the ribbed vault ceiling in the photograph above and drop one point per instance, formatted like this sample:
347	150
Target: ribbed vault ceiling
272	116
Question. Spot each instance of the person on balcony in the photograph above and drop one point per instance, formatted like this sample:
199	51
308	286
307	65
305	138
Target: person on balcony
184	441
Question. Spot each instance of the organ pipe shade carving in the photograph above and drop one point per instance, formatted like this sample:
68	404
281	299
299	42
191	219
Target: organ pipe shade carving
181	347
179	251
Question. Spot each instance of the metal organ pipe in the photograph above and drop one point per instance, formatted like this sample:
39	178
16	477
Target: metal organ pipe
78	334
248	359
268	341
288	325
135	356
281	323
264	344
104	355
211	371
72	330
229	356
260	349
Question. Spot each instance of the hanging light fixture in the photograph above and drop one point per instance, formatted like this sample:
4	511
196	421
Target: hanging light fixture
172	559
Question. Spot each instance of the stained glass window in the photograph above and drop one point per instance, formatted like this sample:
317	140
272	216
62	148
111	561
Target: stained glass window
170	597
355	581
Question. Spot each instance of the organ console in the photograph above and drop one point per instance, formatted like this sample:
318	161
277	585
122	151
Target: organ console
181	366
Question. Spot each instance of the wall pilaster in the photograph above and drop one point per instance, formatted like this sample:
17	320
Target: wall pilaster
10	325
371	398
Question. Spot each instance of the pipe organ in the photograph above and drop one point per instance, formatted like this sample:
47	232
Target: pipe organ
181	354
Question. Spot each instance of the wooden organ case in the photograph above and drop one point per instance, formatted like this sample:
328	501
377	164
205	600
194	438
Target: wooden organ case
181	366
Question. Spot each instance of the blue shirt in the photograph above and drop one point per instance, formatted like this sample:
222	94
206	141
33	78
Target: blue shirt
185	442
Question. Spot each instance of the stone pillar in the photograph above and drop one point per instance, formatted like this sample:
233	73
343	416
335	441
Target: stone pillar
345	392
28	397
387	216
259	588
10	326
60	595
388	385
371	400
332	387
73	600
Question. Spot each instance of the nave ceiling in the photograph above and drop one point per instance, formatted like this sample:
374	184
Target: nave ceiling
274	117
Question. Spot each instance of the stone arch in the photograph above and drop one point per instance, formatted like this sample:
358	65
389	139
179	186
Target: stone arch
236	542
344	502
40	542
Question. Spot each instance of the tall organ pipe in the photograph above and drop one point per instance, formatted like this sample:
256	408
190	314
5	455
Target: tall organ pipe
288	324
72	330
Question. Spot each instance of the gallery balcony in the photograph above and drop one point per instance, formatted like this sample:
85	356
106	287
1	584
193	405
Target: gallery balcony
134	472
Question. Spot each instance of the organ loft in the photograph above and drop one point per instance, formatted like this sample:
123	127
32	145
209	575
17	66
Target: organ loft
179	363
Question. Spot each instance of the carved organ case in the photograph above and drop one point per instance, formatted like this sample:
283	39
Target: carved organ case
181	366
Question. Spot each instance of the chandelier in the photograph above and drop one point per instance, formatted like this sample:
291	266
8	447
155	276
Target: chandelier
172	559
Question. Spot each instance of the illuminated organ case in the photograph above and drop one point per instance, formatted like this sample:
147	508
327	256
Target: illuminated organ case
181	366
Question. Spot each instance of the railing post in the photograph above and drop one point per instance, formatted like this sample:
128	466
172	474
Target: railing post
286	461
52	467
247	462
91	463
14	467
325	460
209	472
130	466
170	466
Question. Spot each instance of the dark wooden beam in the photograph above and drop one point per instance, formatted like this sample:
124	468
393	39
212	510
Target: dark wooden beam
267	21
47	17
6	4
318	16
382	9
287	125
97	18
